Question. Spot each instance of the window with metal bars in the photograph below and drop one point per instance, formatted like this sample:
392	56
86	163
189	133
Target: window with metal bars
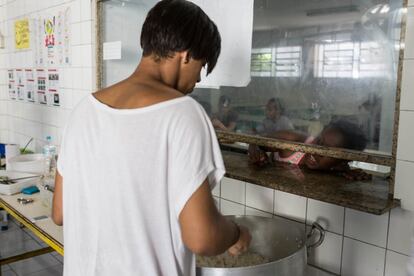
277	62
349	60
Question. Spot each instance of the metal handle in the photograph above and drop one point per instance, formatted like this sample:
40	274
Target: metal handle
321	230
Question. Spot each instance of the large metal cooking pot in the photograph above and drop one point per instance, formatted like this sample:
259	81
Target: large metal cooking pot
282	241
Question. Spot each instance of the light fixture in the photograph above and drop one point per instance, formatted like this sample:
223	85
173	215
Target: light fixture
380	8
375	9
385	8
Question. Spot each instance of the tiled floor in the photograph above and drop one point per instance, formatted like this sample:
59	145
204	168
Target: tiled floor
16	241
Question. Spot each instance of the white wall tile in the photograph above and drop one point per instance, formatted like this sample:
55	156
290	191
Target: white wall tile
313	271
409	35
395	264
361	259
86	32
234	190
75	33
231	208
77	56
406	136
86	55
75	10
86	13
407	86
404	188
259	197
328	254
400	230
87	79
4	136
77	78
289	205
366	227
329	216
255	212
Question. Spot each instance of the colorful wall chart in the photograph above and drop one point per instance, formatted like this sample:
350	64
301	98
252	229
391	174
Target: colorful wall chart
47	37
53	31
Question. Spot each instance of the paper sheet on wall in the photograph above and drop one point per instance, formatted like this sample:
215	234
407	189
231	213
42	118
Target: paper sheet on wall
112	50
22	34
51	36
20	81
234	19
12	88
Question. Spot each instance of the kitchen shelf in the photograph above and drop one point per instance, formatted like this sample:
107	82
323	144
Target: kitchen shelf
367	196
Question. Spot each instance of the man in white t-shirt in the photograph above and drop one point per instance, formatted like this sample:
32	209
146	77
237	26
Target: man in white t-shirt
138	161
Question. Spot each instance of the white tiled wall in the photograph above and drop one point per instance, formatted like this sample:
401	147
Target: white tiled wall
362	259
405	159
395	264
289	205
329	216
20	121
366	227
400	231
356	243
328	255
259	197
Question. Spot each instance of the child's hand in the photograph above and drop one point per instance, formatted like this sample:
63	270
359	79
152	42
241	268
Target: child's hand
356	174
257	156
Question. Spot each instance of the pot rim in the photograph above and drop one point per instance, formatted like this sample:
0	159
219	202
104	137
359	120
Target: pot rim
300	251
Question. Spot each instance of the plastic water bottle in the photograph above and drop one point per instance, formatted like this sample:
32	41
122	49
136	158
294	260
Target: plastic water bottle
49	151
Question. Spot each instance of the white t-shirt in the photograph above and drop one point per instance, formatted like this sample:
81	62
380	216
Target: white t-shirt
127	174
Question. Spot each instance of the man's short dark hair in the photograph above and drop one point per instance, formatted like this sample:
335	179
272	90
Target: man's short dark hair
177	25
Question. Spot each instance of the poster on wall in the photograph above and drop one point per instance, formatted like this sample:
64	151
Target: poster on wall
30	85
38	50
41	86
62	36
12	88
53	87
22	34
53	39
20	84
49	27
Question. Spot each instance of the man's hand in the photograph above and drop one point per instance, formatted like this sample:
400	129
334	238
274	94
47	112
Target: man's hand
242	244
218	124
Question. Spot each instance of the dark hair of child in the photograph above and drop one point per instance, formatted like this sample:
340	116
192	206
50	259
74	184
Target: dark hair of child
353	135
